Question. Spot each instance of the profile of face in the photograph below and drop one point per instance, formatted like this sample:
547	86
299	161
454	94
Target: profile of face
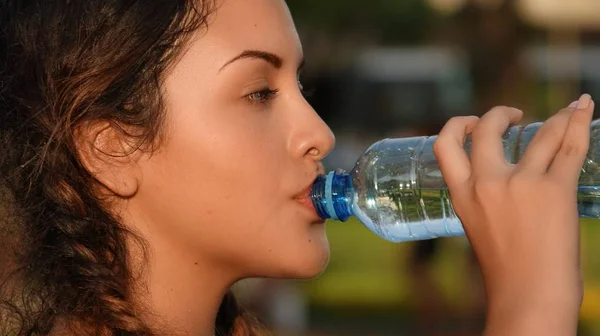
229	184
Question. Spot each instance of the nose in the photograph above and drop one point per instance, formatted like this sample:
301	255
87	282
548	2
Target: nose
313	139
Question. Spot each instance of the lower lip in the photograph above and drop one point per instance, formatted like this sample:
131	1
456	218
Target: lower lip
307	203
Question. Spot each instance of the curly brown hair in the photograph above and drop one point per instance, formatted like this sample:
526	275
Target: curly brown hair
64	63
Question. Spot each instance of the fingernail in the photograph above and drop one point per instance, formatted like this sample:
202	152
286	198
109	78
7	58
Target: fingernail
574	104
584	102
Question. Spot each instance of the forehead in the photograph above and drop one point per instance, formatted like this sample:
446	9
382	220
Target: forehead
267	25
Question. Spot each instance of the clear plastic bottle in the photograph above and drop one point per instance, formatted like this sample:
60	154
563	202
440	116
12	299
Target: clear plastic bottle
397	191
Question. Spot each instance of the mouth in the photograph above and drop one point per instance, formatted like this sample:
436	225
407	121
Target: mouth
303	198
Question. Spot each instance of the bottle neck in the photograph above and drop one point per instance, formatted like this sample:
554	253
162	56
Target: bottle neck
332	195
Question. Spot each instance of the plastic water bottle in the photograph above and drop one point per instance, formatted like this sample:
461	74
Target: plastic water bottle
397	191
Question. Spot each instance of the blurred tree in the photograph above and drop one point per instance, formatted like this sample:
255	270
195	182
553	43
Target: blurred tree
493	37
404	21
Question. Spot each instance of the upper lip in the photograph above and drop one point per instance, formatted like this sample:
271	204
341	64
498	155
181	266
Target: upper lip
305	192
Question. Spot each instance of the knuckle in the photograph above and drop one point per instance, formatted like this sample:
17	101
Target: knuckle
500	109
459	122
456	122
553	130
486	189
571	149
480	131
468	119
520	183
503	110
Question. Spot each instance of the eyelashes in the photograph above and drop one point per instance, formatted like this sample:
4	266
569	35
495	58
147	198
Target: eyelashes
266	95
263	96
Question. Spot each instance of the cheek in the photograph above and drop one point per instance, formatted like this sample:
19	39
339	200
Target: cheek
219	179
224	192
240	215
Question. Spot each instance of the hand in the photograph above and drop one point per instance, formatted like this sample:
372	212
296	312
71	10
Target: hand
522	220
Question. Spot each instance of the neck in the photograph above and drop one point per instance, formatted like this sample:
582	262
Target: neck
181	293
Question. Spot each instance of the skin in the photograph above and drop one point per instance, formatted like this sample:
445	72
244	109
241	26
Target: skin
221	198
522	219
233	171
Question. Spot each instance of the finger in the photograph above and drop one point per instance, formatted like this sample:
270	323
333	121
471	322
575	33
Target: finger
546	142
573	150
487	156
449	150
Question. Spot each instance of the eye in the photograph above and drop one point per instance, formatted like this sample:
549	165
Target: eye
262	96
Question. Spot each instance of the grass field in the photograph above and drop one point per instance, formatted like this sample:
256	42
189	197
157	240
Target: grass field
369	274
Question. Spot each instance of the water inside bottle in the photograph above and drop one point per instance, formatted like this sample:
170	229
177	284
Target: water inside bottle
588	201
408	215
428	213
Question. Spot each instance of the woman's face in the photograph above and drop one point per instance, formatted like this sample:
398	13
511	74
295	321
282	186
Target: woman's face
229	185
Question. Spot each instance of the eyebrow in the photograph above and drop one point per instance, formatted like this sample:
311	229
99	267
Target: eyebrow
273	59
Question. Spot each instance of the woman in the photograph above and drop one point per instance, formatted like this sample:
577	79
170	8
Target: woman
156	152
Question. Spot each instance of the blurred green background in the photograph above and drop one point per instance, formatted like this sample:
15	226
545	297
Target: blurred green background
394	68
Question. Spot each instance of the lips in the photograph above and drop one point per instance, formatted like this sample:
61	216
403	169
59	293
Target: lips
303	198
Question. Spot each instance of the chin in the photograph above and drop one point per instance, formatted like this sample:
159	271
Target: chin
302	256
311	271
309	263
